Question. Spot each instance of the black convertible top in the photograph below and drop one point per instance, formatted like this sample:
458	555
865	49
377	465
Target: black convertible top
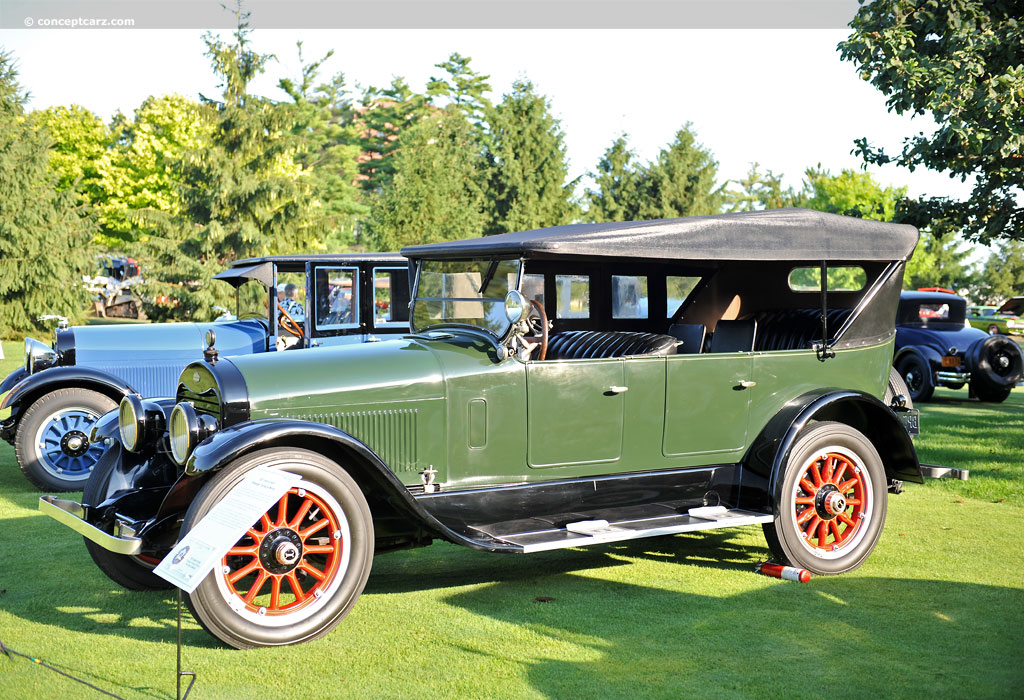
262	269
774	234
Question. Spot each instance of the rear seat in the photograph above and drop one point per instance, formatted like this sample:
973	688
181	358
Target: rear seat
794	329
581	345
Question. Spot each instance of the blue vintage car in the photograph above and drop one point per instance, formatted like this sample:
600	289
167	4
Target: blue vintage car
320	300
936	347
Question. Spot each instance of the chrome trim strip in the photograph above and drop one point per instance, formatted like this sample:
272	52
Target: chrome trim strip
71	514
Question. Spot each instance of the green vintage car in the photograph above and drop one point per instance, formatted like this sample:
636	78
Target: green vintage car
1002	320
561	387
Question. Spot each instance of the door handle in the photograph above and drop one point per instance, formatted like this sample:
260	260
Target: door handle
618	389
747	384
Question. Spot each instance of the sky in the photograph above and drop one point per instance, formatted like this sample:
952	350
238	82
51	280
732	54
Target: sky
778	97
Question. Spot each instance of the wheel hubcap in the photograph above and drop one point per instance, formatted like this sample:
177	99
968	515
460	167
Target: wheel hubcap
63	446
830	503
287	560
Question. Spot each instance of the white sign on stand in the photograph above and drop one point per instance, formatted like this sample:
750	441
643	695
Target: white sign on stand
206	544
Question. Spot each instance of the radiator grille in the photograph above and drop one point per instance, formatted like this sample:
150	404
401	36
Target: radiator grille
389	433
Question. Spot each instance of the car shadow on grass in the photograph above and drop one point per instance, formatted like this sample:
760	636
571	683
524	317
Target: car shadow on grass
871	637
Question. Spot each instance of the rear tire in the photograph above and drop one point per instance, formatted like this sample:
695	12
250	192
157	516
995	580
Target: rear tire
917	375
990	395
831	506
305	561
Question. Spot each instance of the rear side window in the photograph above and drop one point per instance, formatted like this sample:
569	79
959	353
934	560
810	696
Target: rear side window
677	289
573	296
840	279
629	296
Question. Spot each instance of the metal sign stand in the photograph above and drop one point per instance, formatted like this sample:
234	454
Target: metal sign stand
180	672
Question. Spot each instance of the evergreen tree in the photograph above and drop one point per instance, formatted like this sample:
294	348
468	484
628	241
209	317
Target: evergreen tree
680	181
528	172
617	196
761	191
327	149
464	88
436	192
1003	274
243	196
44	242
384	115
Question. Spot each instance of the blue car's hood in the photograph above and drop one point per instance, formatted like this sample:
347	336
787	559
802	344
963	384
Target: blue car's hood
180	342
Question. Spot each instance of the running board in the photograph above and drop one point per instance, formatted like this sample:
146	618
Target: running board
587	532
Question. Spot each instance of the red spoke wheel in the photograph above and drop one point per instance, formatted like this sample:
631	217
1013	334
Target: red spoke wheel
832	501
300	568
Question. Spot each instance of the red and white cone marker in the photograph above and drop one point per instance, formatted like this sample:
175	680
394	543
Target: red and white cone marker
789	573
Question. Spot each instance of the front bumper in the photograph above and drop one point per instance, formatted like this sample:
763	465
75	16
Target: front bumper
73	515
953	376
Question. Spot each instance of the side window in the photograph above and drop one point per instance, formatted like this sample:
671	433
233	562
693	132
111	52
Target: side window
677	289
533	288
629	296
573	296
291	296
337	303
840	279
390	296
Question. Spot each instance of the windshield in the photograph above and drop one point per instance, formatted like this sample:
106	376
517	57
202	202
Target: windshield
464	293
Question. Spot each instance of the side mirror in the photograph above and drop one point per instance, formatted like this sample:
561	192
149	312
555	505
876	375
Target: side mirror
516	307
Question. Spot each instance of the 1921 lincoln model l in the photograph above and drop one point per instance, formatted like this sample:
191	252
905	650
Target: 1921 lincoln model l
62	389
561	387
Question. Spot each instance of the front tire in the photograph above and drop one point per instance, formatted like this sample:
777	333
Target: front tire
917	375
832	503
52	443
300	568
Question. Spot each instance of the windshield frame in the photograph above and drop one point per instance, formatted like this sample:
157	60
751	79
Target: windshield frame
486	263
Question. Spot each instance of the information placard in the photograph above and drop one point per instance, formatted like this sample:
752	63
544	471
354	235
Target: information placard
206	544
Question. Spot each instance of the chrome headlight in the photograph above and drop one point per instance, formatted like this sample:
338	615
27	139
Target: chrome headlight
139	422
188	429
38	356
131	422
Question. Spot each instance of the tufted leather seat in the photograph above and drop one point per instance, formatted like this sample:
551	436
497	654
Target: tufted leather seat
794	329
580	345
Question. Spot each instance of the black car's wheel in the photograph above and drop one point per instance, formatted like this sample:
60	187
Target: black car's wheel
52	443
917	375
897	387
996	366
832	503
128	571
300	568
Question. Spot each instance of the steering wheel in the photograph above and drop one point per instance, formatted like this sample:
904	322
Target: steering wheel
289	324
537	312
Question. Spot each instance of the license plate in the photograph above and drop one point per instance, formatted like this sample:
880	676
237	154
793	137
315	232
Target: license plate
911	421
951	361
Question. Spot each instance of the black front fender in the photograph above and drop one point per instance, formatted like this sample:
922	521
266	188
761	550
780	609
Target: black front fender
13	378
766	458
369	470
29	388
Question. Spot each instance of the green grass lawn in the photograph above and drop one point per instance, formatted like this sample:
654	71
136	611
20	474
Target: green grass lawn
936	611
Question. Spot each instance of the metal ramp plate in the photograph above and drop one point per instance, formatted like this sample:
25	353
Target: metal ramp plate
583	533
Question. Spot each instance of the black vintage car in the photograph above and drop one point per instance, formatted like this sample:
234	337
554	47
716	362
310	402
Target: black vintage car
936	347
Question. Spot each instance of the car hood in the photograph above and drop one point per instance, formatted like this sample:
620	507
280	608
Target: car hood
143	342
390	371
939	337
1012	307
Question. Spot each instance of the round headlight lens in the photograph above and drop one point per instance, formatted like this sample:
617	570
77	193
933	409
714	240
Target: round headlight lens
130	419
183	430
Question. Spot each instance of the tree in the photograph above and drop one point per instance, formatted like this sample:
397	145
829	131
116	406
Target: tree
327	149
960	60
849	193
242	196
436	193
464	88
141	171
80	140
681	181
383	116
760	191
44	241
617	195
1003	273
527	184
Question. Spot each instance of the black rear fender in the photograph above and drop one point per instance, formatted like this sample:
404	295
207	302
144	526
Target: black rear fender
766	458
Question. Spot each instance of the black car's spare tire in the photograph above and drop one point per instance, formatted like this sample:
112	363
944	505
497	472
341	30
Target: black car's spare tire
997	364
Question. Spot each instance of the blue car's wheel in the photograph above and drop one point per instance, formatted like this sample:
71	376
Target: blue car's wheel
52	443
